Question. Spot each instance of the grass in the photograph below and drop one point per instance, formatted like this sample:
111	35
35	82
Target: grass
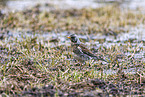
96	20
29	67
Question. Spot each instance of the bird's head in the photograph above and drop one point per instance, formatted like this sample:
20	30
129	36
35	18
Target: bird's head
74	38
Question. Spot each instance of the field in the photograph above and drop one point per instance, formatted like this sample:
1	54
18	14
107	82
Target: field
36	57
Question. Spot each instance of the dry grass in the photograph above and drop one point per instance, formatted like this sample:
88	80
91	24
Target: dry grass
28	67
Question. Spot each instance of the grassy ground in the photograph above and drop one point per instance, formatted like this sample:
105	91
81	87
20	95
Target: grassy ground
30	68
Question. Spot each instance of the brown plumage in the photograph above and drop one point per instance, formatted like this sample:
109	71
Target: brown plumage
80	49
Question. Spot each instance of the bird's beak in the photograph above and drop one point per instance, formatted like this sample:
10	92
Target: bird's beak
68	37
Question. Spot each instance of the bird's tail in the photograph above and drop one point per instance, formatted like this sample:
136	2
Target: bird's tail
100	58
103	60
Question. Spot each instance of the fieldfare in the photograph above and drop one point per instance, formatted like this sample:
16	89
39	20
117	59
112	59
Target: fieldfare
81	51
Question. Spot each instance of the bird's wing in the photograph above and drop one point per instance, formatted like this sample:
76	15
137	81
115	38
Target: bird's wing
86	51
77	50
89	53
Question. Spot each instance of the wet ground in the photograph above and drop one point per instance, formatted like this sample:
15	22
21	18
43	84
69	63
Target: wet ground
36	56
66	4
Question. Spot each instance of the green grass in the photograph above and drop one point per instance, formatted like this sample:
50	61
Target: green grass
28	63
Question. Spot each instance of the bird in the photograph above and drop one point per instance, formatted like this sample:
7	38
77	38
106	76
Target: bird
81	50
